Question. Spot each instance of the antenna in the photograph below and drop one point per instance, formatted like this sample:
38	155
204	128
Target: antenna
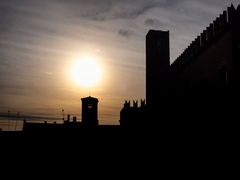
63	114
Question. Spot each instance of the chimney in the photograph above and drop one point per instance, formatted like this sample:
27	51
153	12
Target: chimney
74	119
68	117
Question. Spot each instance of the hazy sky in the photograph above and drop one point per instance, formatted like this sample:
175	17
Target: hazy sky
40	40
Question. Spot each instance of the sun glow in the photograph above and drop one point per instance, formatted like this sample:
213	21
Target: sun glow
86	71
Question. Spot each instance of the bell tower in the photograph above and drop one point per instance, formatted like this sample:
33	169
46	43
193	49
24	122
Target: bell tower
89	112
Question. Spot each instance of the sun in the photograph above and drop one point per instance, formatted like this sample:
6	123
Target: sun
86	71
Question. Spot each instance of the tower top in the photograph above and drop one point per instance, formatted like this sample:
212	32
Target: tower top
89	98
89	111
153	31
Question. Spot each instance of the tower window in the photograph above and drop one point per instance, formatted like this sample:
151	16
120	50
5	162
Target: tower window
89	106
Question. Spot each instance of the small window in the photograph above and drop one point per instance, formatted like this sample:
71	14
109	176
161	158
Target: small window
89	106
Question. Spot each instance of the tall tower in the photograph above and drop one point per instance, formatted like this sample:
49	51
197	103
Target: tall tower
90	111
157	67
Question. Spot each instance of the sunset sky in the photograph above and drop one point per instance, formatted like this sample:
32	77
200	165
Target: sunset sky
40	42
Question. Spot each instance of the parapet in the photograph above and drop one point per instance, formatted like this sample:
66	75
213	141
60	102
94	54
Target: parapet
127	104
222	24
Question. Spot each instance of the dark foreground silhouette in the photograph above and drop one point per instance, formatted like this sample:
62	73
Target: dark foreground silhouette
190	102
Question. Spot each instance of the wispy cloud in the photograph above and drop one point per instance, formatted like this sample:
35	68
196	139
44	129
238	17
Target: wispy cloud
125	33
113	9
15	115
152	22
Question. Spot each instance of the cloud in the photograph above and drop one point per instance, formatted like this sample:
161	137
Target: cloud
48	73
132	11
91	9
19	116
152	22
125	33
113	9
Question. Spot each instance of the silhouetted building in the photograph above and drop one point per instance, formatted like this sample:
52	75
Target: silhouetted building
157	67
132	116
211	60
201	83
89	119
67	125
90	112
204	78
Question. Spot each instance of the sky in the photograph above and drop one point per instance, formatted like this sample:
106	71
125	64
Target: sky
40	40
